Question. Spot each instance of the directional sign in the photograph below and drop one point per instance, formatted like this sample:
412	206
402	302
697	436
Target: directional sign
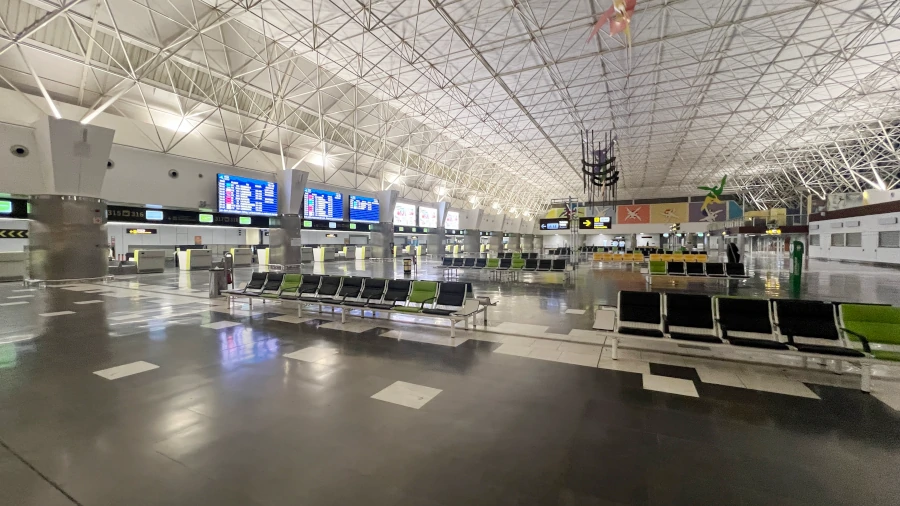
594	223
554	224
13	234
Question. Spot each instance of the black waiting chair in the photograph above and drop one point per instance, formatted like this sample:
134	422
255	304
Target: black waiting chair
530	264
735	270
695	269
446	262
811	326
350	288
397	291
558	265
457	262
480	263
329	288
372	291
544	265
451	295
675	269
689	317
746	322
640	313
308	287
715	269
468	263
253	287
505	264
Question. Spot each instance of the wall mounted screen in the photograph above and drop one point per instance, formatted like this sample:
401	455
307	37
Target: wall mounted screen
428	217
364	209
405	215
451	222
241	195
323	205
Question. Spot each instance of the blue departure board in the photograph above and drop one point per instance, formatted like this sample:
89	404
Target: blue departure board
364	209
323	205
241	195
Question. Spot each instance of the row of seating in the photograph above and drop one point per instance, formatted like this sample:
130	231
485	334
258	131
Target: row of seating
443	300
832	330
510	255
709	269
618	257
678	257
519	264
642	250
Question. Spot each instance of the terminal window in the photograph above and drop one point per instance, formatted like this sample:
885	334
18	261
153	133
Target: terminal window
854	240
837	240
814	240
889	239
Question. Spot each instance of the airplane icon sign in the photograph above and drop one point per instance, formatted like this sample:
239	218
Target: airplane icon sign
632	214
711	215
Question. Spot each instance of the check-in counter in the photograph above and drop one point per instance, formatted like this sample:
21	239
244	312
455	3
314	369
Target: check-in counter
361	252
420	250
448	248
194	259
12	265
307	255
323	254
350	253
395	251
456	249
262	256
482	248
242	257
150	260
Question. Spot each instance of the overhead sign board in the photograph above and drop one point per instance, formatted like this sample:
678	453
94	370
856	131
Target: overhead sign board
141	231
554	224
594	223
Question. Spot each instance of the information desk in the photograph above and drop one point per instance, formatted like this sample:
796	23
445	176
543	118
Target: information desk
361	252
150	260
323	254
12	265
194	259
242	257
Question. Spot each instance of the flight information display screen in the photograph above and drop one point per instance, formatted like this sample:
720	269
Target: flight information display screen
451	222
364	209
323	205
242	195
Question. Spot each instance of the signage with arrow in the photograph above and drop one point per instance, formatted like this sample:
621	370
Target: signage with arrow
594	223
13	234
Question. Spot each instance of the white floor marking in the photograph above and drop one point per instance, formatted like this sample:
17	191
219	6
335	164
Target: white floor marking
16	338
524	329
513	349
25	290
892	399
126	370
405	335
776	384
719	377
58	313
14	303
20	297
89	302
311	354
407	394
568	357
575	311
669	385
624	365
220	325
544	354
355	327
290	319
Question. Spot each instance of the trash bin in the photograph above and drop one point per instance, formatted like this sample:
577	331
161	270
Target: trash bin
217	282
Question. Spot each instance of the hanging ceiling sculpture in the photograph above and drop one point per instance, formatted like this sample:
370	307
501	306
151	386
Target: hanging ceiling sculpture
599	169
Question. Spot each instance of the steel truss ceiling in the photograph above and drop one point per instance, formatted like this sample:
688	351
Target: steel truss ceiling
483	100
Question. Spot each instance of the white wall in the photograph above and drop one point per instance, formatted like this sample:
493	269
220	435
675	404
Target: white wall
13	244
868	226
174	235
491	222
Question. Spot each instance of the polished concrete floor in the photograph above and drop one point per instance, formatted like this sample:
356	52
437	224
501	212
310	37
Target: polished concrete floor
146	392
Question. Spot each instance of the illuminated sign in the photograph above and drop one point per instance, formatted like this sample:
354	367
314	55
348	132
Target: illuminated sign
594	223
245	220
5	207
554	224
154	215
141	231
206	218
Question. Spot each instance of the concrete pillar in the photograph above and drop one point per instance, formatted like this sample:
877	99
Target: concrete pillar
538	244
514	244
527	243
496	242
284	239
382	240
67	231
436	240
472	242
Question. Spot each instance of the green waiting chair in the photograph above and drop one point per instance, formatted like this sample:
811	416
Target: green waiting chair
422	293
493	263
515	256
657	267
517	264
876	328
289	284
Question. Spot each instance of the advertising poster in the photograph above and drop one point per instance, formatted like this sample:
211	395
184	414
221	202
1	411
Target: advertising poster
405	215
428	217
669	213
714	213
